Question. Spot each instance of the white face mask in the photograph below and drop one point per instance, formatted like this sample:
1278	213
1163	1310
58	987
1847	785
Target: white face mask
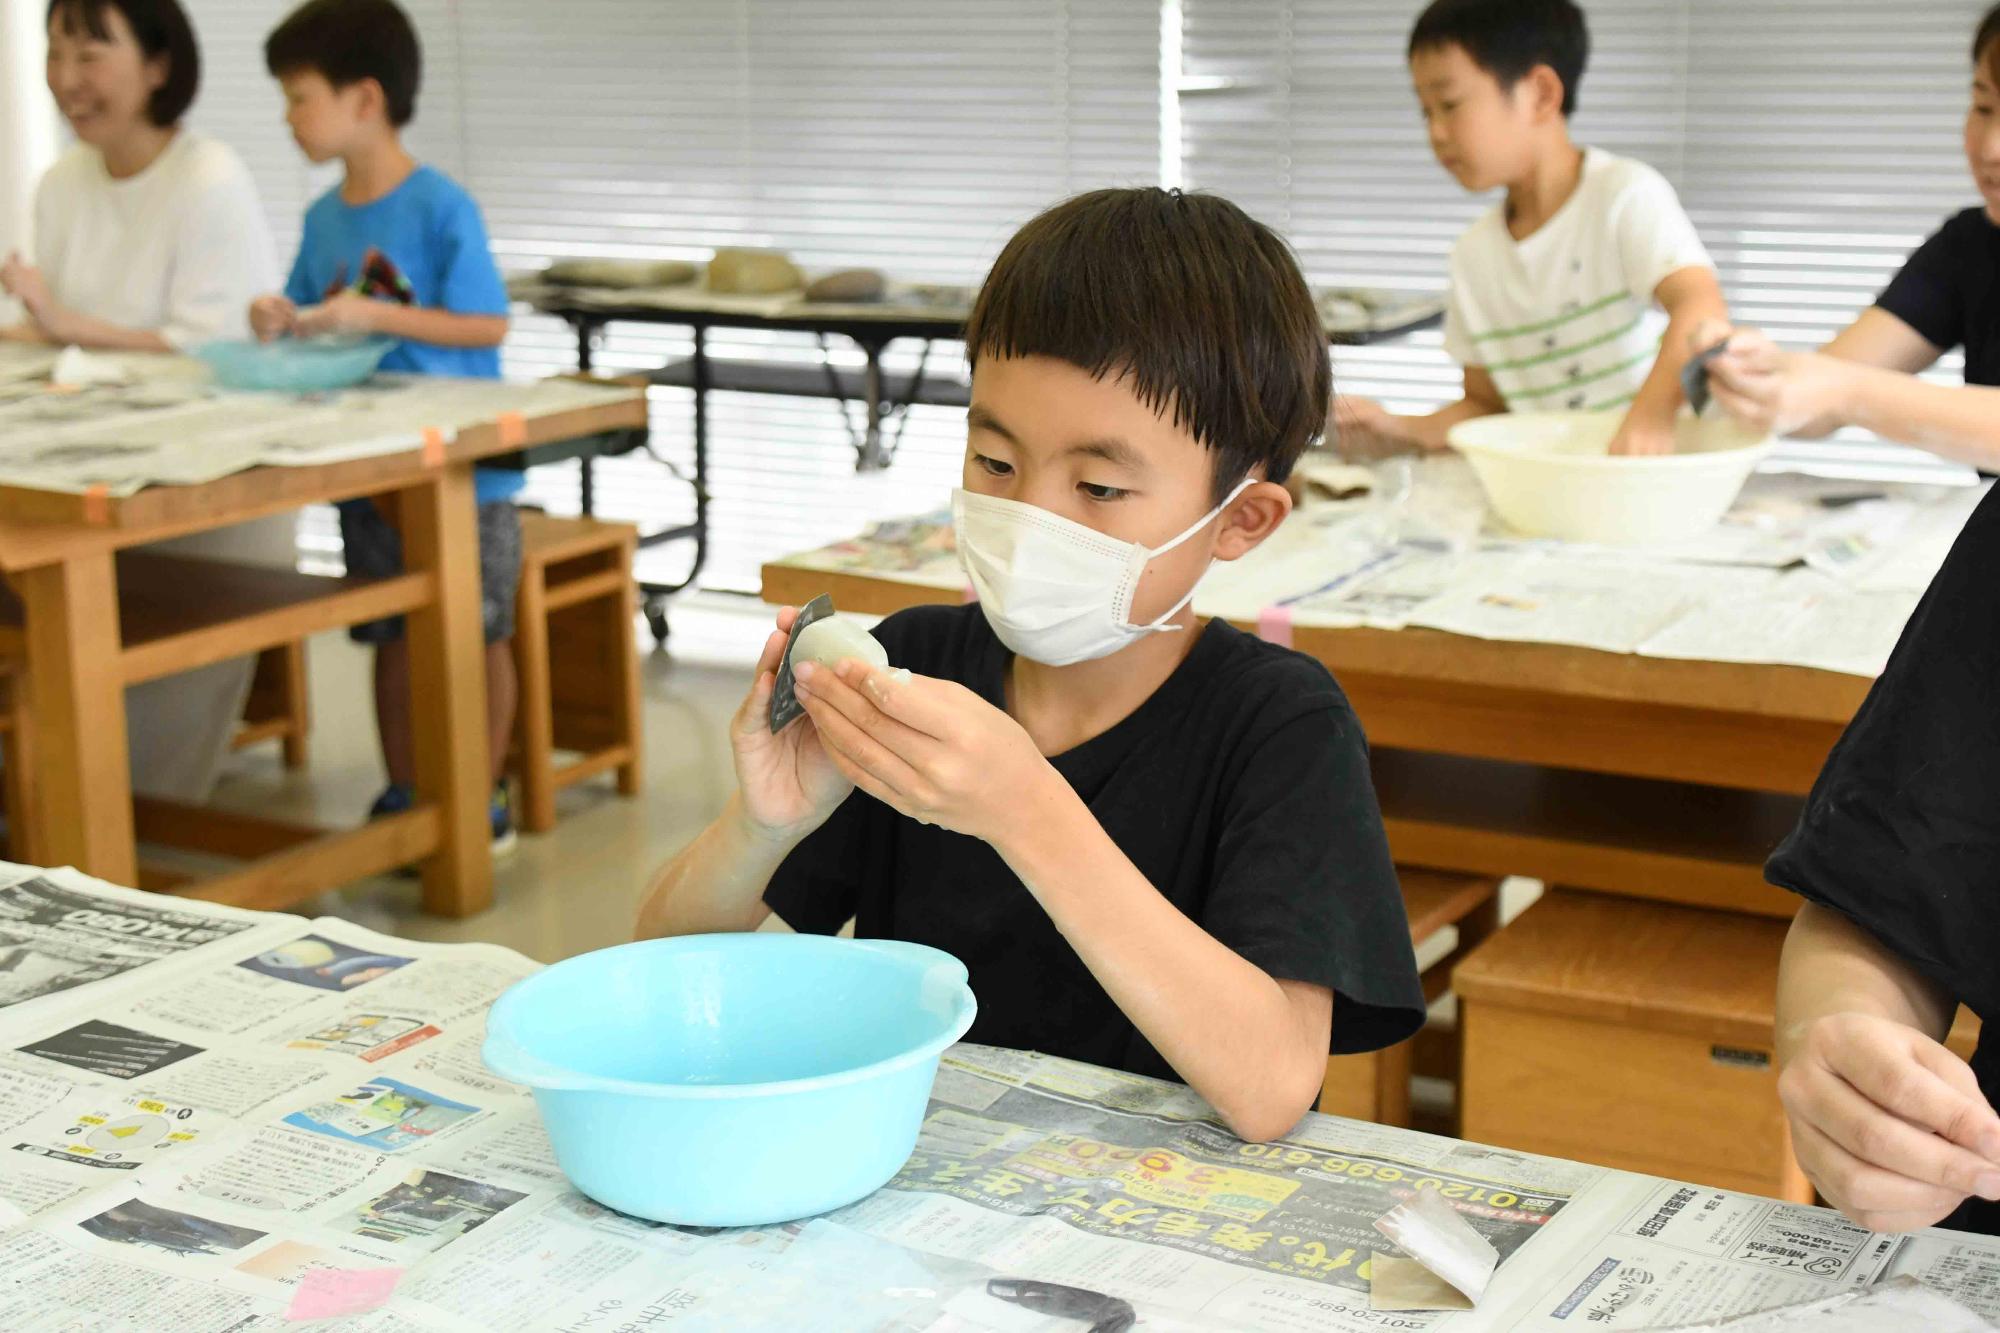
1053	590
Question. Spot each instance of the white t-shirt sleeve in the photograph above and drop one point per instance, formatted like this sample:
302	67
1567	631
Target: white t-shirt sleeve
223	259
50	224
1653	233
1458	342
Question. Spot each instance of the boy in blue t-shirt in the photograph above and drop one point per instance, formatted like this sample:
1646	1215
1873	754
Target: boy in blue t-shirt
397	249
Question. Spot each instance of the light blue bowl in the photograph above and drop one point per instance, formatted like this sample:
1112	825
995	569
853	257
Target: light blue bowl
732	1080
295	365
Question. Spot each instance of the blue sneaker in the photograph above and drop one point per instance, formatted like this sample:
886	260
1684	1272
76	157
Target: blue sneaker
397	799
501	810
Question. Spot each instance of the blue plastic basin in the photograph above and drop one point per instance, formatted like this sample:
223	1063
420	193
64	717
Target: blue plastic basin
732	1080
295	365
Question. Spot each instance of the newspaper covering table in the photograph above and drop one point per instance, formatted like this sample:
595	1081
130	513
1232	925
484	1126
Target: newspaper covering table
220	1120
163	422
1804	571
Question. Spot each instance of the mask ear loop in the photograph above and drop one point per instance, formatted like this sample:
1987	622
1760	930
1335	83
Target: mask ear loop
1203	521
1160	625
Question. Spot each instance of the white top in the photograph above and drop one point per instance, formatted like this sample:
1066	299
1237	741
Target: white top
182	248
1566	318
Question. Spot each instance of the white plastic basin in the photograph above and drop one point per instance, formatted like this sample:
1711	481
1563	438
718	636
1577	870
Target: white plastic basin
1551	474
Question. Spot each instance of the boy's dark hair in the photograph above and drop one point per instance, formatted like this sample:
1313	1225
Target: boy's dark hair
1985	55
347	41
161	28
1201	307
1508	38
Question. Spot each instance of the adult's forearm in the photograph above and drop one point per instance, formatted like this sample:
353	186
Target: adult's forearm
1832	966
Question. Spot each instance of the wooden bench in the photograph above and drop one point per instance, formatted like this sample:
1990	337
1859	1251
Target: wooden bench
1633	1034
1376	1086
577	654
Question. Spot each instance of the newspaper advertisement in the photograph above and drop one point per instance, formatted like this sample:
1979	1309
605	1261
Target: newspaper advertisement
922	550
1687	1255
291	1122
55	933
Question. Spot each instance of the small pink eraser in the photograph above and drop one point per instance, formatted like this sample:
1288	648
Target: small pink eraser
329	1293
1274	625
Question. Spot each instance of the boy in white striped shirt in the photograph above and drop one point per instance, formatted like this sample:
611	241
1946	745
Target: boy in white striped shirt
1582	288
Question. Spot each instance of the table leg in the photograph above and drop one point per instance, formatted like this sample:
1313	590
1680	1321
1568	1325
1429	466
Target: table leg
872	459
448	686
76	707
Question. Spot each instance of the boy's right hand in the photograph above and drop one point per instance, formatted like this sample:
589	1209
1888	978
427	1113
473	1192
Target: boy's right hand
272	317
789	784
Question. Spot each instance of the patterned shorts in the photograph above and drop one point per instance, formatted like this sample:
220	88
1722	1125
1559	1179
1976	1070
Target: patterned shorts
375	550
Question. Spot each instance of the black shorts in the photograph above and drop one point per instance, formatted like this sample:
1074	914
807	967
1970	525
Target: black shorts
375	550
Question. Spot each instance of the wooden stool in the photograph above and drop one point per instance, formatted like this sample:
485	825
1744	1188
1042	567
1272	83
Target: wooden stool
278	708
1376	1086
577	655
1633	1034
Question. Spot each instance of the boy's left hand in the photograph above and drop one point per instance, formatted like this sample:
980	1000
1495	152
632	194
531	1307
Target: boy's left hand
343	312
930	749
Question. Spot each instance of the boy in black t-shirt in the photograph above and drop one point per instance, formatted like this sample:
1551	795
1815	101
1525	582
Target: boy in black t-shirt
1153	842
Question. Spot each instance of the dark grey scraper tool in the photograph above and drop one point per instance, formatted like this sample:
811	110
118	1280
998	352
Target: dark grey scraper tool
785	706
1694	376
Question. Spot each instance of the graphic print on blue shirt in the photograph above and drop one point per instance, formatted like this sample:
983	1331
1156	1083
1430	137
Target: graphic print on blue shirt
429	233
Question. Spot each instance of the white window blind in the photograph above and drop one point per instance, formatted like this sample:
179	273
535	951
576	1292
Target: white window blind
910	136
1813	142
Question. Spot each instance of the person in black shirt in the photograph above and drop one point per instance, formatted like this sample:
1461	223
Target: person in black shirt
1947	295
1898	856
1153	843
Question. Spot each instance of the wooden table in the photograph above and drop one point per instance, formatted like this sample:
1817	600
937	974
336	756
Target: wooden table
1643	776
60	553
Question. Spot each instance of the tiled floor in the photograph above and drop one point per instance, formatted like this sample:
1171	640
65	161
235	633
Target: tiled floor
567	891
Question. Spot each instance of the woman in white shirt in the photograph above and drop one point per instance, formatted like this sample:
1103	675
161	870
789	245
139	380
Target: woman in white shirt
149	237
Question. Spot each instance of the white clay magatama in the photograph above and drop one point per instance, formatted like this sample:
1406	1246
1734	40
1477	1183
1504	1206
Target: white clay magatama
834	640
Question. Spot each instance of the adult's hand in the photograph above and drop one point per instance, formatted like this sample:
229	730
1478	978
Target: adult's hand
1889	1125
1771	390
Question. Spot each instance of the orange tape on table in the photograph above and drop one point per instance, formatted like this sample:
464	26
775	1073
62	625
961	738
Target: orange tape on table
513	429
433	447
96	505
